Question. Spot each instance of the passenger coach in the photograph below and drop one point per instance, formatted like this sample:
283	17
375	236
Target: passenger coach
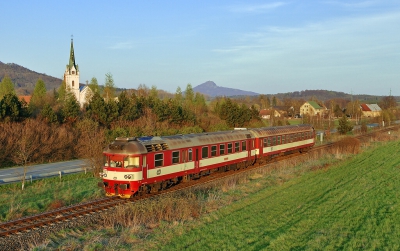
149	164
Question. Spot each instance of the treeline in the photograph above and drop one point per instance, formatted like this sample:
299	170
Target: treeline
53	126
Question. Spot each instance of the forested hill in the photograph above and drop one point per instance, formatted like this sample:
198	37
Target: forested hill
326	95
25	79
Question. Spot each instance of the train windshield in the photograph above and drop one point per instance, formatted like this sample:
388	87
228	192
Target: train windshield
131	162
123	162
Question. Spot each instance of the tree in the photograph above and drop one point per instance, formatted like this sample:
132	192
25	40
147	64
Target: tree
274	101
62	92
6	87
94	87
11	109
38	97
71	109
189	95
178	96
344	125
48	114
388	102
109	88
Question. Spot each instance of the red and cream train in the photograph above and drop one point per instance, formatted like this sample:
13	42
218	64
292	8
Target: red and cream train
134	166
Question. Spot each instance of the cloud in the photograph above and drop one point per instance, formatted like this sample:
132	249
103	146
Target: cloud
122	46
356	5
348	49
255	8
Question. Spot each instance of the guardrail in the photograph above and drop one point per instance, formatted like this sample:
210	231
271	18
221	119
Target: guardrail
18	178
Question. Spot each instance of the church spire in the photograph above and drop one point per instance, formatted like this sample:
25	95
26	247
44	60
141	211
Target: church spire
72	55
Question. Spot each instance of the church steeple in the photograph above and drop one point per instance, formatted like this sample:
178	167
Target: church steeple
72	57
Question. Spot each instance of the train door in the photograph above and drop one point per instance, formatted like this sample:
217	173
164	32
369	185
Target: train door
144	167
184	160
196	158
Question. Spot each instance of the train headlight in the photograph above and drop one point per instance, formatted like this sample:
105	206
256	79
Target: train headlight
129	176
104	175
125	176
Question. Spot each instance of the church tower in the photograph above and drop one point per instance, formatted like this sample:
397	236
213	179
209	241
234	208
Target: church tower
71	74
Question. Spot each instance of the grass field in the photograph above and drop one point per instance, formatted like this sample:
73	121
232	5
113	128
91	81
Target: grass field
46	194
352	206
329	203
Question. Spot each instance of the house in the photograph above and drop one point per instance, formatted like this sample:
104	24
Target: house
266	113
312	108
26	99
370	110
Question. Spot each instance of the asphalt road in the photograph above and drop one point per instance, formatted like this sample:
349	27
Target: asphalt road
15	174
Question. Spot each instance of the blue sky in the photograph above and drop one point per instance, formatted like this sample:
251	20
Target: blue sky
267	47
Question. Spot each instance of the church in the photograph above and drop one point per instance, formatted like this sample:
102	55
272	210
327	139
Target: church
71	79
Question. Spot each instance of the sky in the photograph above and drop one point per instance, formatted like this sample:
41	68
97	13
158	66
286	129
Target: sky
266	47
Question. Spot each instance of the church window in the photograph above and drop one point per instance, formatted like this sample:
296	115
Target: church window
72	82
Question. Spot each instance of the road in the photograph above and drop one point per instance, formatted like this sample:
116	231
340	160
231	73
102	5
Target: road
14	174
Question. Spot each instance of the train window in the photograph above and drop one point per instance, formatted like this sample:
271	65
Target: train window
291	137
131	162
204	152
283	139
273	140
237	147
229	147
175	157
213	150
105	160
269	141
243	145
158	159
190	157
279	140
221	149
114	163
265	143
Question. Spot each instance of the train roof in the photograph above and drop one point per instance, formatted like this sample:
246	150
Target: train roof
279	130
193	140
147	144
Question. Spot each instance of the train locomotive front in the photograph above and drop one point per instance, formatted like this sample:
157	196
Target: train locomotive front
124	160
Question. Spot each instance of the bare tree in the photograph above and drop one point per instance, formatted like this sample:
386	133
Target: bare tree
24	148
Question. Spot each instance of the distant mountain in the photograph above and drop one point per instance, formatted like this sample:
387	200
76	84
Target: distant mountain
25	79
209	88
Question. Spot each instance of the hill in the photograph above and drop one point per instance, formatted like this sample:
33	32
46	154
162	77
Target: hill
25	79
209	88
212	90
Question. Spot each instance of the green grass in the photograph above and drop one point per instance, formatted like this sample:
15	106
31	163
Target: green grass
355	205
45	194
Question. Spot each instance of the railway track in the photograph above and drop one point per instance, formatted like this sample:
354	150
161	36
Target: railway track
73	212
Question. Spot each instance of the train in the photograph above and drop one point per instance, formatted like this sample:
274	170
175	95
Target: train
135	166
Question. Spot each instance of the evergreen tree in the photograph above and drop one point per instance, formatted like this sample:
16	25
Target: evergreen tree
109	88
6	86
344	125
48	114
62	92
189	96
11	108
38	97
274	101
71	109
178	96
94	87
